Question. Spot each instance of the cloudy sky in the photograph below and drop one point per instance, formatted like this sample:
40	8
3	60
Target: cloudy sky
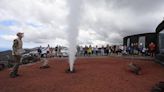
102	21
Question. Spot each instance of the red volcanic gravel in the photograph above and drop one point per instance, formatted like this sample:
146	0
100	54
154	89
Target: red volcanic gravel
99	74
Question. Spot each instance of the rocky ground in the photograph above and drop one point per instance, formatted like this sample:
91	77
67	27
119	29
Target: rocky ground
94	74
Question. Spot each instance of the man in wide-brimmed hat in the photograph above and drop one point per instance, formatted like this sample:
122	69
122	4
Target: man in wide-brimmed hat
17	52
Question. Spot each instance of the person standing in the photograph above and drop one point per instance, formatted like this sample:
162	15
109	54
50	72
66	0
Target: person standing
78	50
48	51
85	51
96	49
152	49
102	51
39	51
17	51
107	49
81	51
89	50
44	57
56	51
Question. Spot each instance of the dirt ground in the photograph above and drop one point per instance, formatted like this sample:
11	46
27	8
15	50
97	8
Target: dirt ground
99	74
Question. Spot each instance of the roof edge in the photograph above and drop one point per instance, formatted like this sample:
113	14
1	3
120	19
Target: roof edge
160	27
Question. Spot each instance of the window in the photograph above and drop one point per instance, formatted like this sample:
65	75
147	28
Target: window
161	41
142	41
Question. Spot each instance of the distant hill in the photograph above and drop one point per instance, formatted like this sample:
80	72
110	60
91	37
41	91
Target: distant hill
5	55
4	49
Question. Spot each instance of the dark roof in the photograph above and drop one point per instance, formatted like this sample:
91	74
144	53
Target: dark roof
160	27
142	34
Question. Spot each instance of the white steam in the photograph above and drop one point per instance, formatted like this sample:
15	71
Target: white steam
73	28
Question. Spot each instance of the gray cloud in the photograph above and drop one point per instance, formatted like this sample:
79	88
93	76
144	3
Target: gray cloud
123	17
106	21
140	6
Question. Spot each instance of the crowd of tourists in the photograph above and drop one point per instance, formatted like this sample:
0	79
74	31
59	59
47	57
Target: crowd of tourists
134	49
108	50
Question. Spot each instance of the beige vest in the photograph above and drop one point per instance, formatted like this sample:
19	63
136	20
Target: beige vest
17	47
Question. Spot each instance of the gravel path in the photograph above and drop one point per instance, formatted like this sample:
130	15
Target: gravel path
103	74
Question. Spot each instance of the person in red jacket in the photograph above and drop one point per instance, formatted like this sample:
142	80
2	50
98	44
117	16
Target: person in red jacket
152	49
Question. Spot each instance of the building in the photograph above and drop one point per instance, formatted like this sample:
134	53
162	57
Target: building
145	39
160	37
140	39
160	42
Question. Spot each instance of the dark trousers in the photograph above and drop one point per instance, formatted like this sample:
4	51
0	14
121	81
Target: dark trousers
16	65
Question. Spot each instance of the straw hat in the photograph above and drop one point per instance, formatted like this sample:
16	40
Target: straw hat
20	34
